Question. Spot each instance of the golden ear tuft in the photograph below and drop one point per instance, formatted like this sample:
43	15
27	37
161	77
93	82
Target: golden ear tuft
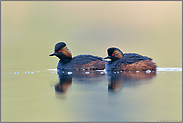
66	52
118	54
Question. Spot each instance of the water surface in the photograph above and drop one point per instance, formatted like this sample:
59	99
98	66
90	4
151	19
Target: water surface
91	96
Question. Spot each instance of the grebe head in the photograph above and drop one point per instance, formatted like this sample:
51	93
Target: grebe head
62	52
114	54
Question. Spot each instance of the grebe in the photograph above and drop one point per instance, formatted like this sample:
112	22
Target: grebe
80	62
128	61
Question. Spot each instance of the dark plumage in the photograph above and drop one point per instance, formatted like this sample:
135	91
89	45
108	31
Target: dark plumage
128	61
80	62
130	58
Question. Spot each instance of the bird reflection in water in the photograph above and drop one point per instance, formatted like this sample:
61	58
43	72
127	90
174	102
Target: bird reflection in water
63	85
129	77
65	81
116	78
65	78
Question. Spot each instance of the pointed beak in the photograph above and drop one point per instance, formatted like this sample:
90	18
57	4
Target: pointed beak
53	54
108	57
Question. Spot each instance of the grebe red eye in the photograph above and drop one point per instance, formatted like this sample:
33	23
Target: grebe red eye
113	54
59	87
59	51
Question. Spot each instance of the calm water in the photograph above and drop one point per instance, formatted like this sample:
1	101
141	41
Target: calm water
90	96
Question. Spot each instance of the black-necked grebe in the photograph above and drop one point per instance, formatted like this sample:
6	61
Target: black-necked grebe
128	61
80	62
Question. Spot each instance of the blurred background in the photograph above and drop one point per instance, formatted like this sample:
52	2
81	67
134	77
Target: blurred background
30	29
